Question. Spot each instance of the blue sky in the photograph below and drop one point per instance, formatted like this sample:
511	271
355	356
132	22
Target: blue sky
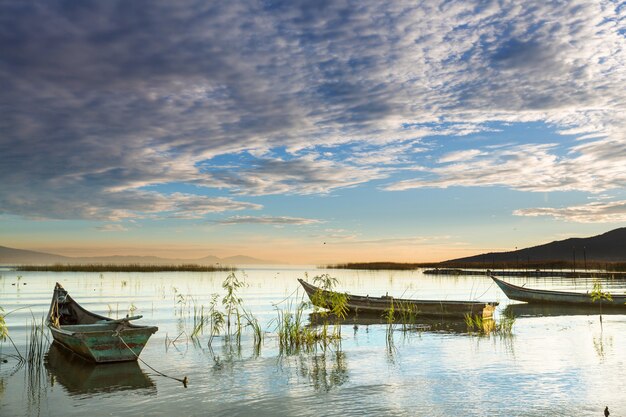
310	131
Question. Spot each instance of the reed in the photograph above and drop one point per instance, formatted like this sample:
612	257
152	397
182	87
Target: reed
125	268
506	323
486	326
517	264
37	345
293	335
4	329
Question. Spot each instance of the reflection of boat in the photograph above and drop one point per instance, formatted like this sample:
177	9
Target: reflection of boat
551	310
79	376
529	295
366	304
420	324
95	337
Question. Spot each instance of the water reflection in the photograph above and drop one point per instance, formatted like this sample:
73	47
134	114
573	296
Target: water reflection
547	310
325	371
79	376
415	324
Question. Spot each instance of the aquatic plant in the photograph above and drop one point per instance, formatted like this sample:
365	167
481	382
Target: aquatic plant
486	326
597	294
232	302
4	329
505	325
36	346
328	304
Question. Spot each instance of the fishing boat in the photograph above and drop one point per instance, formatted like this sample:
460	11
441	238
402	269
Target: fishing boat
94	337
381	305
530	295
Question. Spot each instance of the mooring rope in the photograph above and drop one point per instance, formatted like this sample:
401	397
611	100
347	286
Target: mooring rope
488	288
184	380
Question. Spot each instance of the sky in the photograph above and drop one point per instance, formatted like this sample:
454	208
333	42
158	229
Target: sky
310	132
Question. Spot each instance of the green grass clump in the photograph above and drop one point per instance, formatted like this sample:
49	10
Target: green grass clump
487	326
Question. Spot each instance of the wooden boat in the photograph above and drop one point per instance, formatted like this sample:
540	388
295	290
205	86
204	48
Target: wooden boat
381	305
94	337
529	295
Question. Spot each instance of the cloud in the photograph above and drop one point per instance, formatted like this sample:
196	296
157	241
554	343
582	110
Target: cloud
103	100
597	212
459	156
303	175
593	167
115	227
277	221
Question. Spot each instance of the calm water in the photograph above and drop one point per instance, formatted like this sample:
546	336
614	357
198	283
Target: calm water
557	365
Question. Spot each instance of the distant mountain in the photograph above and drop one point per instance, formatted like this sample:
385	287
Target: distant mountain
11	256
245	260
607	247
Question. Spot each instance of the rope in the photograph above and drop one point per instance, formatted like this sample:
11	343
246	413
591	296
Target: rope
184	380
488	288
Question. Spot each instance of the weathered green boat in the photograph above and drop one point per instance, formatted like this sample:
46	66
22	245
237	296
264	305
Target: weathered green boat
94	337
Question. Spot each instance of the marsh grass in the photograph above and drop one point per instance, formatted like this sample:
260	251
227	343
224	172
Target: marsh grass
294	335
226	315
125	268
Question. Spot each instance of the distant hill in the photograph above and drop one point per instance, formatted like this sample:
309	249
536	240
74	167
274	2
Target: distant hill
11	256
607	247
20	256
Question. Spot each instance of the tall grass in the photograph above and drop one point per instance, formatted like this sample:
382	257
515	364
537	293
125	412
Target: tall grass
295	336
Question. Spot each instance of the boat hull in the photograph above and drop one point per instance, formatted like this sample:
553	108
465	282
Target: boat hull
383	305
530	295
103	345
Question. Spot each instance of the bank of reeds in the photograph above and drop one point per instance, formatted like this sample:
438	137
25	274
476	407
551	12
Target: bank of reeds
486	264
126	268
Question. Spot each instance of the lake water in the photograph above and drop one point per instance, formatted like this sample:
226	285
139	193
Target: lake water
552	364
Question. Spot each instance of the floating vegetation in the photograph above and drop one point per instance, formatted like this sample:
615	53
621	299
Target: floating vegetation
125	268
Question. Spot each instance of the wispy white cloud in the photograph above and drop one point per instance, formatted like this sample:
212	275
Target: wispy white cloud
277	221
593	167
459	156
112	227
597	212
